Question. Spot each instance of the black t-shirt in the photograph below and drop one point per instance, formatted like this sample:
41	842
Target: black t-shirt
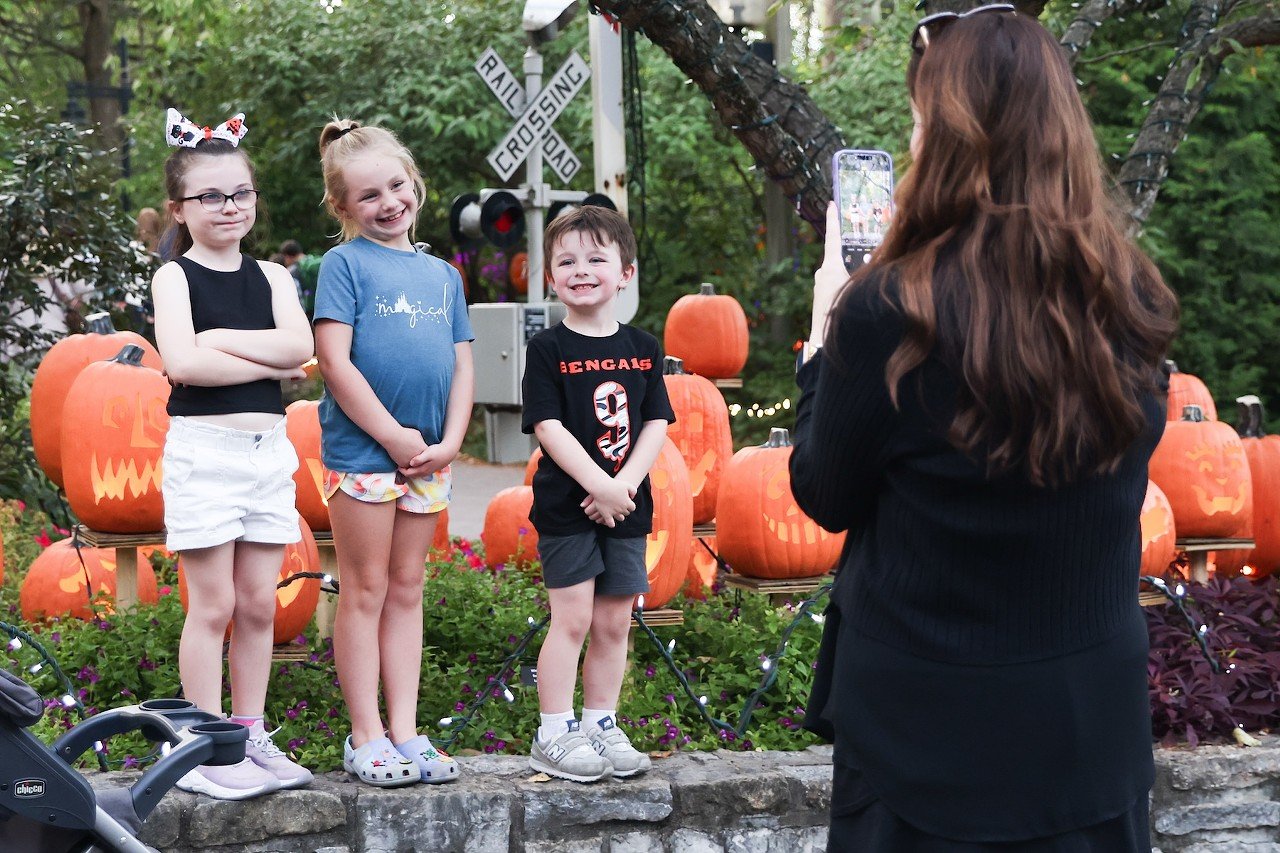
603	390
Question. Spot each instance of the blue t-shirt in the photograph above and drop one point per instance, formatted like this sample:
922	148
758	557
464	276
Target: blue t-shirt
406	310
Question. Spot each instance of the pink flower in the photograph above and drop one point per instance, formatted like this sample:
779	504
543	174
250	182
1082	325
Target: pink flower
166	590
43	539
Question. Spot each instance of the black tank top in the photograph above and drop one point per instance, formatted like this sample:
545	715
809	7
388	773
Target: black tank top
228	300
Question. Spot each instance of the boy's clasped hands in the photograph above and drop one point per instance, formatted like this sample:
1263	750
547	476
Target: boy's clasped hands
610	500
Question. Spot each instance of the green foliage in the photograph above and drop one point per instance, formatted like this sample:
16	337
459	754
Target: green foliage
60	226
20	476
473	618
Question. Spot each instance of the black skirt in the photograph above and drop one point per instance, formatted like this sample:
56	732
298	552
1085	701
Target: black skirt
862	823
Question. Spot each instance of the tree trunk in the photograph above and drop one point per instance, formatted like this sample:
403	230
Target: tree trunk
96	30
790	139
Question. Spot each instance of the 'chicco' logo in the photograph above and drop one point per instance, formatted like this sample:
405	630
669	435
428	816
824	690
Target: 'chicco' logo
28	788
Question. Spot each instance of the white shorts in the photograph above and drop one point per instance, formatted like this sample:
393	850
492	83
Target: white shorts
222	484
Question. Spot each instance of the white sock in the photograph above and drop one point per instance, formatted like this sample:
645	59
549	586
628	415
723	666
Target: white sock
554	725
591	717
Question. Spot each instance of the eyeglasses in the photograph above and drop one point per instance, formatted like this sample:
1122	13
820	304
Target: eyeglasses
939	21
214	202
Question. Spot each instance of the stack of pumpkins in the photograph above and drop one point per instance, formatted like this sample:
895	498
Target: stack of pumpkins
697	478
1209	481
98	425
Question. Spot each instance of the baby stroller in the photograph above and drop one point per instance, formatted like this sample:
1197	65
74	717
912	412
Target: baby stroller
48	807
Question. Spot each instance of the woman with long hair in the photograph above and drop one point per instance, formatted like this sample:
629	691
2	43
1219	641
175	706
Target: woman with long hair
980	420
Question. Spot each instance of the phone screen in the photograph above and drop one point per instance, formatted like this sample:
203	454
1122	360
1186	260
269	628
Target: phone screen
864	196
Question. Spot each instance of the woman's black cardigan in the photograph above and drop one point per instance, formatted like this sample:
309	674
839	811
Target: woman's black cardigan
984	657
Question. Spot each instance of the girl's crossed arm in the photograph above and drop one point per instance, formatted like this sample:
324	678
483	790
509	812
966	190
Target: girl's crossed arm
185	361
289	344
357	399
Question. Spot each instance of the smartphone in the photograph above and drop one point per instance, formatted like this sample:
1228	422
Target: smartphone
863	190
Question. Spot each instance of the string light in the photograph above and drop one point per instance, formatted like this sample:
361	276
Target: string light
758	410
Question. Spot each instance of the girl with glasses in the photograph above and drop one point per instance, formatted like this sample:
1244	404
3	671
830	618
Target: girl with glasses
229	329
980	420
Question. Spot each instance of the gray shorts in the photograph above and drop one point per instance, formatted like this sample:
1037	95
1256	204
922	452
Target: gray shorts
616	564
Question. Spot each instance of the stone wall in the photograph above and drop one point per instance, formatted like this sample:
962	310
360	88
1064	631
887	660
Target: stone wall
761	802
1215	799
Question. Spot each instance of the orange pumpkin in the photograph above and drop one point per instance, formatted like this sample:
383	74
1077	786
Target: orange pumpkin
56	583
59	368
1202	467
302	425
508	534
1187	390
760	530
1263	453
441	548
531	466
702	568
1158	534
669	545
709	332
701	434
296	602
113	428
518	272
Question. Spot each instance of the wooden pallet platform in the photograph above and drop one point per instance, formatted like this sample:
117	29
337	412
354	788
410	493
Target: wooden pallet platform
1151	598
1197	551
730	382
779	591
661	616
126	546
705	529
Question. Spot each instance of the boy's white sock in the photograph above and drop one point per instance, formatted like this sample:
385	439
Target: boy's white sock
591	717
554	725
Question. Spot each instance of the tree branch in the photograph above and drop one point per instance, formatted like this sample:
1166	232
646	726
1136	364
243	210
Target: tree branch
790	139
1192	72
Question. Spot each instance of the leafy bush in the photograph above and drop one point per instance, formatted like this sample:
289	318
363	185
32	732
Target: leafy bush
1189	701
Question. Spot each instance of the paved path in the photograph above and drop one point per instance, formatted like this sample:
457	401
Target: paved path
475	482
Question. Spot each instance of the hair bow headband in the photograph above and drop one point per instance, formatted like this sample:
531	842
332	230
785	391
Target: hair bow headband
179	130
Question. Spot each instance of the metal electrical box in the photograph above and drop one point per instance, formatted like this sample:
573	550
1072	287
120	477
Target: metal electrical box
502	331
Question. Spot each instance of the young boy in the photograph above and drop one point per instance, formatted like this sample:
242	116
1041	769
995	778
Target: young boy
594	397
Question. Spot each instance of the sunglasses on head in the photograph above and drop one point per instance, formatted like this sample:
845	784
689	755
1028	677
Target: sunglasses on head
931	25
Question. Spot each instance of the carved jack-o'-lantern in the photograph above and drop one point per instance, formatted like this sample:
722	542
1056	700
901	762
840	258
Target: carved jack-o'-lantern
508	534
709	332
1202	468
1187	390
302	425
1263	453
701	434
760	530
58	584
59	368
702	568
113	428
668	546
1158	533
296	602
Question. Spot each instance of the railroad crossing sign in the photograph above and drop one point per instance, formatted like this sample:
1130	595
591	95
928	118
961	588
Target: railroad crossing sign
533	120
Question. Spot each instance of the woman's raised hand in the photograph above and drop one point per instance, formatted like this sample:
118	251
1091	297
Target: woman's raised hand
830	279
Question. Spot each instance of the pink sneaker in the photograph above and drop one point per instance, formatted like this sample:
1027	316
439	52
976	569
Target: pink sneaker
262	751
229	782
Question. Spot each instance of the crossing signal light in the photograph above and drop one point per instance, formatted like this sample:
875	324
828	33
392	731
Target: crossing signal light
494	215
596	199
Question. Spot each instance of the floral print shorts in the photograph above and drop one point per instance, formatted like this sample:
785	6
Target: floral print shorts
412	494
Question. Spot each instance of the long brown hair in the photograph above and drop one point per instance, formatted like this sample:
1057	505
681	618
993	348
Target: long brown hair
1053	320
